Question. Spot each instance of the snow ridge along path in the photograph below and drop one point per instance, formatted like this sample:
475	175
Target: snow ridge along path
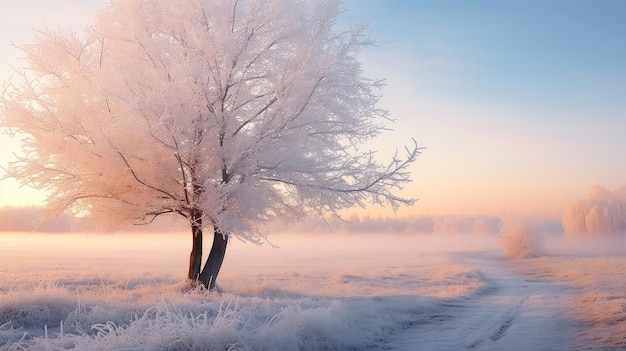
510	313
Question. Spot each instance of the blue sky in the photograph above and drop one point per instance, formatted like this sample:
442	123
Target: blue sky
521	105
540	52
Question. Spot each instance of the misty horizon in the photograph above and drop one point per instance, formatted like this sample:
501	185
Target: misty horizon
601	212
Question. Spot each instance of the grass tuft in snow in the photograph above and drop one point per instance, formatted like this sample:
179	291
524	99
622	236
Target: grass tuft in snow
518	237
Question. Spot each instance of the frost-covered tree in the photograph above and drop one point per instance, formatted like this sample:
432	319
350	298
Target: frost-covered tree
230	113
602	212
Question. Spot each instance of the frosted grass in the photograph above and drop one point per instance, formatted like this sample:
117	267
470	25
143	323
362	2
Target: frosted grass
600	302
96	292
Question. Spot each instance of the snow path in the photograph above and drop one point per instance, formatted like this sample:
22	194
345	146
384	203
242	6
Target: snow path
511	313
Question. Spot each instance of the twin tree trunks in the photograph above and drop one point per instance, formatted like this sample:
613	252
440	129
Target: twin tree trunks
207	276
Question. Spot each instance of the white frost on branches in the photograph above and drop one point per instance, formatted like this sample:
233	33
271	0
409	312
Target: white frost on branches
244	111
601	212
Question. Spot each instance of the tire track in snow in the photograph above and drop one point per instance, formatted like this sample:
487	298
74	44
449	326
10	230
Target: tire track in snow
498	330
511	313
502	329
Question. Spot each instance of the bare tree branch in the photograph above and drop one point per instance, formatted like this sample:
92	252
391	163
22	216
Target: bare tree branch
130	169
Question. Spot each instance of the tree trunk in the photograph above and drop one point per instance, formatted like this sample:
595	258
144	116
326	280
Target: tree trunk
215	259
195	259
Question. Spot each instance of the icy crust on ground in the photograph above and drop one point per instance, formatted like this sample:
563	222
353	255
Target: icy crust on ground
95	297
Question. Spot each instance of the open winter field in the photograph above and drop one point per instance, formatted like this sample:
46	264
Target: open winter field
315	292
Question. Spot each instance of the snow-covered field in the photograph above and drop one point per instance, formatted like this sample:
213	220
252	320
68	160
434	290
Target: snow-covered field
315	292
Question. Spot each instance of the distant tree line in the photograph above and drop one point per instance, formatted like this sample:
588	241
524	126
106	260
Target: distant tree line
33	219
28	219
410	225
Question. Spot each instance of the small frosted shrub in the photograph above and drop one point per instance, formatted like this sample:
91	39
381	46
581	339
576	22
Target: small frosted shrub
518	238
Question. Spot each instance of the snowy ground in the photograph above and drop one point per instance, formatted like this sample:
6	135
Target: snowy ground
315	292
